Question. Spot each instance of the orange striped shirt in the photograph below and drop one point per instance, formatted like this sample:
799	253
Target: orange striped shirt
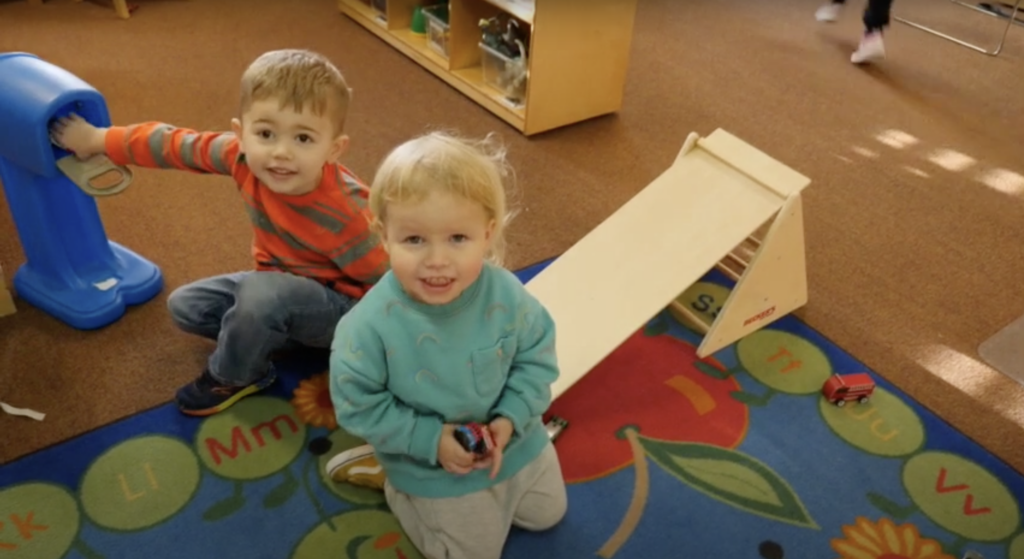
324	234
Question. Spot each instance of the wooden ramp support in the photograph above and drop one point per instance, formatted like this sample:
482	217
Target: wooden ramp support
722	203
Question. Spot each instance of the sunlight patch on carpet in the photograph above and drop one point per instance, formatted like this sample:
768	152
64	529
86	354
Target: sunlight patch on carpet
966	373
865	152
916	172
951	160
896	139
1003	180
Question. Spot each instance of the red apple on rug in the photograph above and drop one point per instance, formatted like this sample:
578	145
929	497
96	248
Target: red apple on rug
648	384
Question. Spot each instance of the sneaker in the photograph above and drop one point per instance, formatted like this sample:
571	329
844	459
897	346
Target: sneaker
828	12
871	48
207	396
357	466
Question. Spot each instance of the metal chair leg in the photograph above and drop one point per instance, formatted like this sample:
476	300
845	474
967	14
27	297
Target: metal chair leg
1002	40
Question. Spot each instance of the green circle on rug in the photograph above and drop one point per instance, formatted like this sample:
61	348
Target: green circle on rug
140	483
705	299
961	496
1017	547
783	361
884	426
341	441
365	534
255	438
42	521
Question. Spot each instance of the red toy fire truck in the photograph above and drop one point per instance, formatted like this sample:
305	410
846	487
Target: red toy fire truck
839	389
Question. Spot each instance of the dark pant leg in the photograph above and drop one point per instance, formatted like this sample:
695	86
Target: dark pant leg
199	307
876	15
254	314
270	310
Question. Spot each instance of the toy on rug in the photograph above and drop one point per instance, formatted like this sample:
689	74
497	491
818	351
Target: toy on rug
555	425
839	389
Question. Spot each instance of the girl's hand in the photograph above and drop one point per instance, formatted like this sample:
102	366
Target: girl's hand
501	430
450	454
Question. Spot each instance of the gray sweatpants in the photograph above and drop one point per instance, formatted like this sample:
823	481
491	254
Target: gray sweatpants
475	526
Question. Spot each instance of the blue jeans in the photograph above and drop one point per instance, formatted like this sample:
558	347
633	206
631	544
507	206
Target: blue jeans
253	314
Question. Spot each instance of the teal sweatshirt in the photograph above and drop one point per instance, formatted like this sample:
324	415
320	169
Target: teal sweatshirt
400	369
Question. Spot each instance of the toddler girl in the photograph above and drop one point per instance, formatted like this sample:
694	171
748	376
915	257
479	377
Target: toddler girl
448	337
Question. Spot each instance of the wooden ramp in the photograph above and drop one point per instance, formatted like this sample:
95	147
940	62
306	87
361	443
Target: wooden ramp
722	203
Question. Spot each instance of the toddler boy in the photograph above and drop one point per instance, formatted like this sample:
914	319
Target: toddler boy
314	253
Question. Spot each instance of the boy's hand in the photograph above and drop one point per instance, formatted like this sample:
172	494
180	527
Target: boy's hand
76	135
450	454
501	430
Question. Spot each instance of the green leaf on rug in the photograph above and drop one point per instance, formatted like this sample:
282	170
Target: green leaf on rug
891	508
85	551
280	494
751	399
226	507
732	477
352	549
710	370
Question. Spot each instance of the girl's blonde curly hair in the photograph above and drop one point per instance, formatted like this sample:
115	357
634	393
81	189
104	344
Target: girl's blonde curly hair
476	170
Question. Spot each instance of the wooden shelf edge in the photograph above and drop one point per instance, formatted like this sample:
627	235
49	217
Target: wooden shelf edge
521	13
361	13
418	45
429	61
485	100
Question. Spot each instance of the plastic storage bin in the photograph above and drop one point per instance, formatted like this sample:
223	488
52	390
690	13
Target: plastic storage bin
507	75
381	7
437	28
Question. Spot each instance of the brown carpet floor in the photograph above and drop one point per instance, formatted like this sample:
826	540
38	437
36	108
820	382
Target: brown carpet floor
913	260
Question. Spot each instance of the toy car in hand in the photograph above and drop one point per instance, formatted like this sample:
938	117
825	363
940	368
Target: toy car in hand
475	438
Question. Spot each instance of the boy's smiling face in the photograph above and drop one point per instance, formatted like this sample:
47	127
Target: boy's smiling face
287	149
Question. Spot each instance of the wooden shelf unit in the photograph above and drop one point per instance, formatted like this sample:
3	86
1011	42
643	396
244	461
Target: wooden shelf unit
577	57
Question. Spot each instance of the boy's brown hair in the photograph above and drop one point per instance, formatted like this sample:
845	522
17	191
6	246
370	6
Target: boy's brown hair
299	79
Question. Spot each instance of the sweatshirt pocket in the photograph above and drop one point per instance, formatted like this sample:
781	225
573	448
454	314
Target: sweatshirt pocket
491	365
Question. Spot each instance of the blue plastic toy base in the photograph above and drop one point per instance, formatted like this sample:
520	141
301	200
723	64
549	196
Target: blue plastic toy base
72	270
134	281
